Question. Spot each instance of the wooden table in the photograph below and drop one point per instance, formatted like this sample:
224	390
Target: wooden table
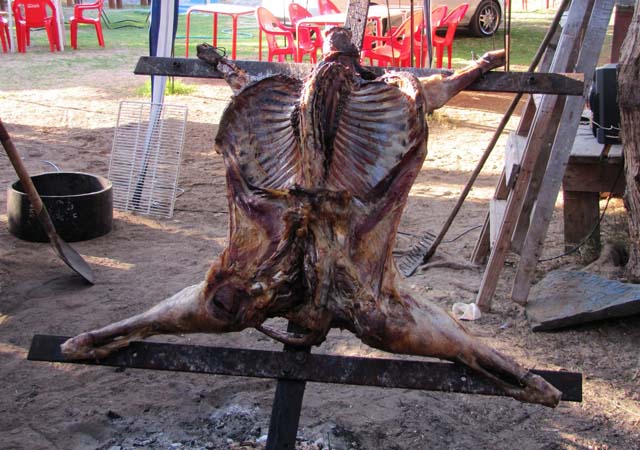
593	168
234	11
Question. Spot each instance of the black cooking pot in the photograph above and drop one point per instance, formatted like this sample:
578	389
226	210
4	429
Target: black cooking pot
80	206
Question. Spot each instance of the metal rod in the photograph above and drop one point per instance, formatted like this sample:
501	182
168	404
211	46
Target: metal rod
287	404
526	82
301	366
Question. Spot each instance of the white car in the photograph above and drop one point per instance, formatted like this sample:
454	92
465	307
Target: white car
482	18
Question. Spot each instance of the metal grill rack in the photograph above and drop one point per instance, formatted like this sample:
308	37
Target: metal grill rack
145	158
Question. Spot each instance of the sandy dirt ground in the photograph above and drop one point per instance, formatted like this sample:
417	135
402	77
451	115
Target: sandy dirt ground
59	406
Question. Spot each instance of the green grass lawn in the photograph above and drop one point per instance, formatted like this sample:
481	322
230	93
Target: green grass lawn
528	29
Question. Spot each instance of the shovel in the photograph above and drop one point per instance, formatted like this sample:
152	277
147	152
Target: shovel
62	249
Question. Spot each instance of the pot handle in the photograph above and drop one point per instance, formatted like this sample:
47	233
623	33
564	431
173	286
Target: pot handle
23	175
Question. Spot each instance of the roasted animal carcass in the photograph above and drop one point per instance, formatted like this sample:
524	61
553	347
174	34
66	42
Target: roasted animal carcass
318	173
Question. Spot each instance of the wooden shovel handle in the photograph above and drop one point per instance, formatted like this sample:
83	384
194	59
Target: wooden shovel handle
23	175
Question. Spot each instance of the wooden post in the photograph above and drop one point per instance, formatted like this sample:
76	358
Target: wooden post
629	101
581	212
357	20
622	20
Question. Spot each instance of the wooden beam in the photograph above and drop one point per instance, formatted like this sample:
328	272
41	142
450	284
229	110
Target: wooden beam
301	366
525	82
603	176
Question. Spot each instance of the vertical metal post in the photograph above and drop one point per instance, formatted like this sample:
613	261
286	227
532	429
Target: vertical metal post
287	404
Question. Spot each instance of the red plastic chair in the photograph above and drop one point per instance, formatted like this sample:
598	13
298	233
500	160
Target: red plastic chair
35	14
306	42
421	45
328	7
273	28
396	50
5	38
79	17
451	22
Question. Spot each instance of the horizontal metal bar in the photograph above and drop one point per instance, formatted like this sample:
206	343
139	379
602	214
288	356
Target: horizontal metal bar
526	82
301	366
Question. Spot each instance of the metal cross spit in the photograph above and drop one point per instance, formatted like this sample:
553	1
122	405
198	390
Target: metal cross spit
295	366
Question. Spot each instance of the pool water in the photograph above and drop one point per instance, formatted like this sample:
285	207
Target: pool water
185	5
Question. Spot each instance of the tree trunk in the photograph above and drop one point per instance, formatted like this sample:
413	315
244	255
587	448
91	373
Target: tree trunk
629	101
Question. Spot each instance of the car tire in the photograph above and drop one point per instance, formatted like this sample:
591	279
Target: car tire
486	20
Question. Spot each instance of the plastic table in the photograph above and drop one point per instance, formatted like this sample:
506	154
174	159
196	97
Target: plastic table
234	11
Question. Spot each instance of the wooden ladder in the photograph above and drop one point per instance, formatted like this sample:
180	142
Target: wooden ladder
544	136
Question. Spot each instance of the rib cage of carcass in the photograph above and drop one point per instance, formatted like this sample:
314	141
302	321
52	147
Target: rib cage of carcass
318	174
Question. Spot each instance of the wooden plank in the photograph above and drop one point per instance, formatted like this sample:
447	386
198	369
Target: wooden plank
587	150
527	82
357	13
567	298
600	177
513	151
531	83
390	373
526	119
548	192
196	68
483	244
496	214
544	150
581	213
538	135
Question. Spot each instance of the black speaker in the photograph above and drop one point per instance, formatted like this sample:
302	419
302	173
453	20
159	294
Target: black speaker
603	101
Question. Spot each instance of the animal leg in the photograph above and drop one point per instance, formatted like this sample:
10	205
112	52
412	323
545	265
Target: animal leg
400	324
440	89
221	304
236	78
162	318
